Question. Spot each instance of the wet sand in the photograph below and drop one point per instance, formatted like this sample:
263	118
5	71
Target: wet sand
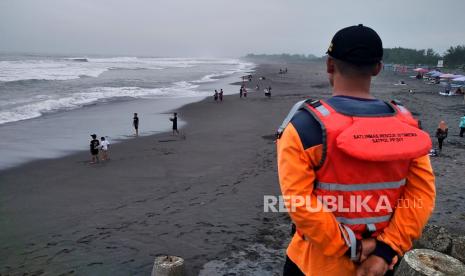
201	197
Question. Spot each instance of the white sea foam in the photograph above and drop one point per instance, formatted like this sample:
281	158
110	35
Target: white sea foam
46	70
73	68
46	104
241	67
22	108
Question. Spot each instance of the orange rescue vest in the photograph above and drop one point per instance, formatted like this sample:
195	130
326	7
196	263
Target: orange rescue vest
365	164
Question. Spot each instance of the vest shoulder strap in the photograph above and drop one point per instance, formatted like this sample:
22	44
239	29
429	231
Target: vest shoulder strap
400	107
405	114
298	106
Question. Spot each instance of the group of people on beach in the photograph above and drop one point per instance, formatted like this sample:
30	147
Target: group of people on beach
443	130
174	120
243	91
99	149
218	96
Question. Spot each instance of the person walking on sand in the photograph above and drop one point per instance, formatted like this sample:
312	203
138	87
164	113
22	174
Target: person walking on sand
104	145
241	91
244	92
221	95
215	96
94	145
462	126
175	123
441	134
268	92
329	156
135	123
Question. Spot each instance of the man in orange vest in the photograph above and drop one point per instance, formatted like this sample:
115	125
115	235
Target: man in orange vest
354	170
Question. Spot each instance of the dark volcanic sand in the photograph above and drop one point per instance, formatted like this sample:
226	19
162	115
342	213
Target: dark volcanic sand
200	198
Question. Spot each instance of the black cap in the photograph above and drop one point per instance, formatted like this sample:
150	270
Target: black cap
357	45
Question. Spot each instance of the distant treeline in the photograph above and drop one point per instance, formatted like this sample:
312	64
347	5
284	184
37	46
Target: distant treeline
410	56
282	57
453	57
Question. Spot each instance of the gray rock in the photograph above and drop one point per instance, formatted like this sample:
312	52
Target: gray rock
426	262
436	238
168	266
458	248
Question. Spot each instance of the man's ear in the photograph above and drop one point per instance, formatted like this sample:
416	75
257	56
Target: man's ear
329	65
377	69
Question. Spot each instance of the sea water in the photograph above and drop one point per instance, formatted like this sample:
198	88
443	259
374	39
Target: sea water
49	105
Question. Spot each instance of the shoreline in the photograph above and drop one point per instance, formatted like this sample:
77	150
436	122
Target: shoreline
199	198
107	116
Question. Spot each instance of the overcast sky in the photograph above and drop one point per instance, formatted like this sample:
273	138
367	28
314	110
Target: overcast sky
220	27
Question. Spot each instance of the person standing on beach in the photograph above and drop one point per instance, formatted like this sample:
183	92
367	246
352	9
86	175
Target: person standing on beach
448	87
241	91
338	157
221	95
268	92
94	145
215	96
441	133
135	123
175	123
104	144
462	126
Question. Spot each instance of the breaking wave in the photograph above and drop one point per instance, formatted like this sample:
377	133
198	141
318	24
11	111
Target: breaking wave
77	67
46	104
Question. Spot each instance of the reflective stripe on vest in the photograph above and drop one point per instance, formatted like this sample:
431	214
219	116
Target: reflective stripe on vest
360	187
371	227
367	220
351	241
402	109
323	110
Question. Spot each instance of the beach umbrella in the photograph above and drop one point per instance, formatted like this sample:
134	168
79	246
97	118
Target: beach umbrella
433	72
448	76
420	70
436	74
460	79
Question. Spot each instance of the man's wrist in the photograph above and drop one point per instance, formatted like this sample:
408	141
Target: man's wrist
384	251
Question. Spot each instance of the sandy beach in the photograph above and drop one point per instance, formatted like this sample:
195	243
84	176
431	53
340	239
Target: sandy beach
201	197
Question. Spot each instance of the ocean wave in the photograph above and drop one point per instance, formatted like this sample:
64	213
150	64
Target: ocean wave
77	67
46	104
22	108
241	67
18	70
78	59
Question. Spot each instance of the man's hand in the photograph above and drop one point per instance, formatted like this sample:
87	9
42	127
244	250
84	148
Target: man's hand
375	266
368	246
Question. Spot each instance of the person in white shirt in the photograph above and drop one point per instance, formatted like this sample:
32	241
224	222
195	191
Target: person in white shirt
104	144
